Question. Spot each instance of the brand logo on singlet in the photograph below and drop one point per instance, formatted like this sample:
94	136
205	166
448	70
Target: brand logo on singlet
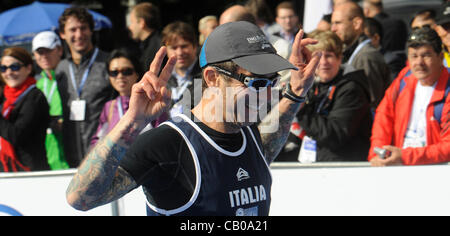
242	174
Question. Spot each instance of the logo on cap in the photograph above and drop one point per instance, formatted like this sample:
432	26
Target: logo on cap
259	39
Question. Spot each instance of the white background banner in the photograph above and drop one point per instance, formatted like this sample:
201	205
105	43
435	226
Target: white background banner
297	190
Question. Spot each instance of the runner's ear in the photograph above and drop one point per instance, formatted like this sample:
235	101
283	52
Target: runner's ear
210	76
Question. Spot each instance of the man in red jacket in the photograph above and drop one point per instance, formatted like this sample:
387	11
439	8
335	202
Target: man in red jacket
412	120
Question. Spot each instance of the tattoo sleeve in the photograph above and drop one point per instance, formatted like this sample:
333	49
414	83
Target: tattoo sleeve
99	179
275	127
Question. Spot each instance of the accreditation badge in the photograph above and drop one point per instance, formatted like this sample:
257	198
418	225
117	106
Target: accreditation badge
78	110
308	150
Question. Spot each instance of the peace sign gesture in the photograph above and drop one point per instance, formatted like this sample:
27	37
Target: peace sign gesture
303	78
150	97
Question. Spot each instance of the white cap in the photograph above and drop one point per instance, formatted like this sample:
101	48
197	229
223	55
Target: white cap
46	39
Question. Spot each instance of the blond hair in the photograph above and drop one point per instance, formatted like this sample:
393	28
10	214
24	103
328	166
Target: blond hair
202	25
328	41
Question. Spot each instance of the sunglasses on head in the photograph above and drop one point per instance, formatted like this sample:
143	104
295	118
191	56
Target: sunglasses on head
125	72
13	67
256	83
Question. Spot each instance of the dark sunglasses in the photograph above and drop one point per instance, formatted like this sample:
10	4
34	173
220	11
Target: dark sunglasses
256	83
125	72
13	67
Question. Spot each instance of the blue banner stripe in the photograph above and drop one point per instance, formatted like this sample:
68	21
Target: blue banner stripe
8	210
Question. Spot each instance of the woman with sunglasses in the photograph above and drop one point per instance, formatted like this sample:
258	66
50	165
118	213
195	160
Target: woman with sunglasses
124	71
24	115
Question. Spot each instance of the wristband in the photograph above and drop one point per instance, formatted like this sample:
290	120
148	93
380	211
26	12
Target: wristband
291	95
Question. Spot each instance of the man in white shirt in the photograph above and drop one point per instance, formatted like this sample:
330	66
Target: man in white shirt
412	121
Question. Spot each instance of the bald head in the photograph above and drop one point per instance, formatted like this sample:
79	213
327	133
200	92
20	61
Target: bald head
350	9
236	13
338	2
347	21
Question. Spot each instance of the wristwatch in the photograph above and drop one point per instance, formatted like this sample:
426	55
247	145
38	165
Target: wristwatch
287	93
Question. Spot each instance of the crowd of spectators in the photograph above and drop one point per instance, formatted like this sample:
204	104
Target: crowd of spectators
377	86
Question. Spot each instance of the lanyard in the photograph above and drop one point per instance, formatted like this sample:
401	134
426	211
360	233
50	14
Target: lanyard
330	90
49	94
360	46
5	114
183	83
177	93
85	75
119	107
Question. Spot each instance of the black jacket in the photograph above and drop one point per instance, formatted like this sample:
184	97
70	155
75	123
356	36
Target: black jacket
26	129
395	32
342	125
148	49
96	92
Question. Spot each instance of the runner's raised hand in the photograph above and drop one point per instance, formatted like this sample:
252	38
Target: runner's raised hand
150	97
301	57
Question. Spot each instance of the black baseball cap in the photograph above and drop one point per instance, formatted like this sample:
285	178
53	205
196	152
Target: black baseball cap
443	16
246	45
424	36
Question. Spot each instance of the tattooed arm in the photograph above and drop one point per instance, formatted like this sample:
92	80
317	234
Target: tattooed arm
99	179
275	126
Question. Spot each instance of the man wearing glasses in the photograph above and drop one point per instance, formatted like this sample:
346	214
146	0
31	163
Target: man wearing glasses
212	164
289	21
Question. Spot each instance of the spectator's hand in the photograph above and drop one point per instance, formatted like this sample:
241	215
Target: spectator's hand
303	78
150	97
395	157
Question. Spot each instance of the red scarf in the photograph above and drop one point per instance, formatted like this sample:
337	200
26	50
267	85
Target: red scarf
7	153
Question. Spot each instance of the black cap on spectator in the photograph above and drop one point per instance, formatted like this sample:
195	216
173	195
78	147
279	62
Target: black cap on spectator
443	16
425	36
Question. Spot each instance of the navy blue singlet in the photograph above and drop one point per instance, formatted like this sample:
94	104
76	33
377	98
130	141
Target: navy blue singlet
227	183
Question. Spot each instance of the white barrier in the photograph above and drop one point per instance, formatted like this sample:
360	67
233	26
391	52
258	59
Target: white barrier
40	193
317	189
406	190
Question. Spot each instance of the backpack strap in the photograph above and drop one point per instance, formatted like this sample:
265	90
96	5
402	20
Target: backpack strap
439	106
401	86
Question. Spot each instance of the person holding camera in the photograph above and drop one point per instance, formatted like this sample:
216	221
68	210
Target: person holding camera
411	123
